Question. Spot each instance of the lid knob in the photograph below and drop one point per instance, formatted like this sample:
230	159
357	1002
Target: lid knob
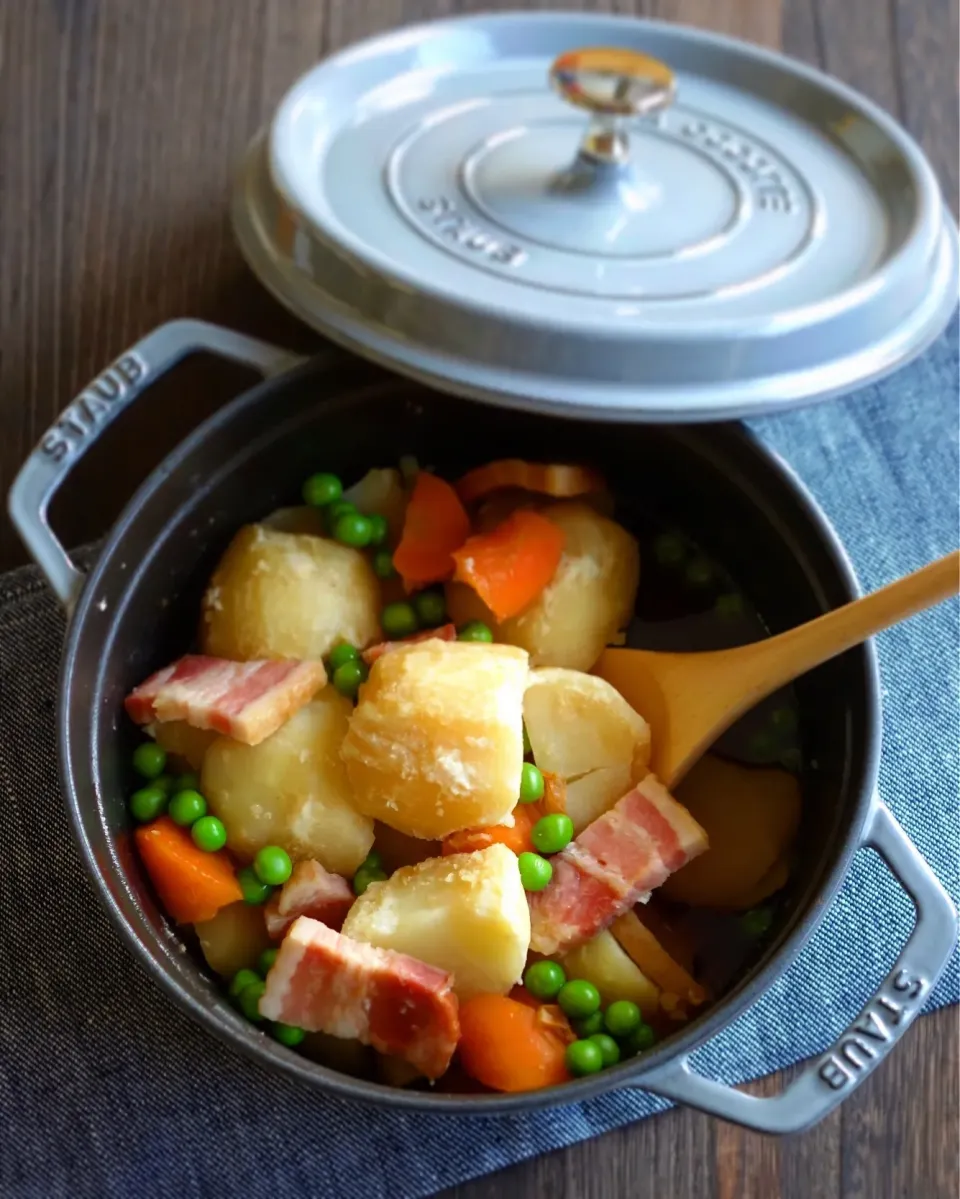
612	84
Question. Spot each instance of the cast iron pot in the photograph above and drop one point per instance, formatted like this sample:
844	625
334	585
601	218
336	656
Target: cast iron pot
137	610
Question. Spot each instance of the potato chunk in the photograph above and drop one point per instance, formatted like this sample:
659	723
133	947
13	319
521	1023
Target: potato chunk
466	914
603	963
234	938
435	744
589	796
183	741
288	595
291	790
588	601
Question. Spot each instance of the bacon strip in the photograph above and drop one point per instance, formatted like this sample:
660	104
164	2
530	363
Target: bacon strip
325	982
244	700
309	891
615	862
446	632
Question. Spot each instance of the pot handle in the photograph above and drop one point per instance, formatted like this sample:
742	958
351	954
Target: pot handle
98	405
831	1077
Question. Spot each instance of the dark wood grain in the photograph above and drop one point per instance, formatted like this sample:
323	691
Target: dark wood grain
120	127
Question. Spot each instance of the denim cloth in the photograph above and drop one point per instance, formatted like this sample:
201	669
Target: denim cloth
106	1089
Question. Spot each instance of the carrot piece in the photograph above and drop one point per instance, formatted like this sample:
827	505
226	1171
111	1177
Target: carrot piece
434	525
554	794
558	480
193	885
509	567
510	1046
639	943
515	836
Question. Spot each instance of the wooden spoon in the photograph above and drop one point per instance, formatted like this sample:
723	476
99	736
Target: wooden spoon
690	699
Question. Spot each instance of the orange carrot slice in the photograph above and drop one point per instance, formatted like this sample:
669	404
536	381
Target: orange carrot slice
515	836
511	1046
558	480
434	525
639	943
554	795
509	567
193	885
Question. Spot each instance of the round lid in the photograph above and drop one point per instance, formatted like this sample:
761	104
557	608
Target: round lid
601	216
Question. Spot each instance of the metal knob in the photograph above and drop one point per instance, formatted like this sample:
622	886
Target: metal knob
613	85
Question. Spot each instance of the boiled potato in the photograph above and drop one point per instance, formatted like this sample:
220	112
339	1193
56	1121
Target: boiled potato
577	723
466	914
589	796
288	595
588	601
435	743
603	963
750	815
234	938
183	741
291	789
296	520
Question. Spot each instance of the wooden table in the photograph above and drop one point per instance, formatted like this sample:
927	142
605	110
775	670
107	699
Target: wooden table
122	123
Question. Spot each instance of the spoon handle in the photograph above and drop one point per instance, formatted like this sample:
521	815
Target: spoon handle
791	654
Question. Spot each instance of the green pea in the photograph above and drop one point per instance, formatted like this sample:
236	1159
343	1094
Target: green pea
527	747
764	745
589	1026
341	654
642	1038
187	807
353	528
148	803
622	1017
430	607
756	922
579	999
531	783
333	512
552	833
265	961
399	619
167	784
609	1049
255	891
249	1000
378	528
729	606
544	979
240	981
584	1057
287	1034
272	865
373	859
784	720
365	876
187	782
699	572
383	564
149	760
535	872
791	759
209	834
475	630
322	489
348	677
669	549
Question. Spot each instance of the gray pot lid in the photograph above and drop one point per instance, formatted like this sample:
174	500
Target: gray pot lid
599	216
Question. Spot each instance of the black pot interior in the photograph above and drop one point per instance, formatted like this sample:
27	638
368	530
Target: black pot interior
141	606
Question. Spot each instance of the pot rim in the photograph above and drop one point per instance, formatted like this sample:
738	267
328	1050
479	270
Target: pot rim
150	945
